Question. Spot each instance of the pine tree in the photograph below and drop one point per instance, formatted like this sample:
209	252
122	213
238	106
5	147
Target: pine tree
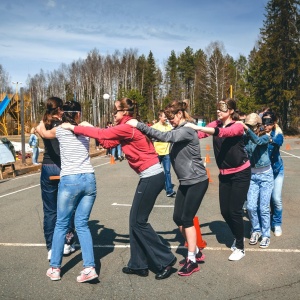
275	68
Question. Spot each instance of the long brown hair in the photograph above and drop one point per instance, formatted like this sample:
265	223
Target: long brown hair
130	107
231	104
52	106
174	107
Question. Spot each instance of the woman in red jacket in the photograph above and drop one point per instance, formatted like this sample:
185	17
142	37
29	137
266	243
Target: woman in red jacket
143	159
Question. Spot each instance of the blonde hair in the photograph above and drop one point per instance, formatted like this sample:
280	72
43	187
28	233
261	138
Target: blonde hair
32	131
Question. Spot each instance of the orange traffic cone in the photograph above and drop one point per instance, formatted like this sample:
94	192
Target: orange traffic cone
207	158
200	242
288	147
208	175
207	147
112	160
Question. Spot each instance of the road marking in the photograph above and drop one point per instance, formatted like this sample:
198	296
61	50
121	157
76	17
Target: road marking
18	191
172	247
289	154
119	204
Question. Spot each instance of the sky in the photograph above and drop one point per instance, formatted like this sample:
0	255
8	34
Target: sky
43	34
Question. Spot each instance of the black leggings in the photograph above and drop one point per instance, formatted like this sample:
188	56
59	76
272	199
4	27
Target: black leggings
233	189
187	203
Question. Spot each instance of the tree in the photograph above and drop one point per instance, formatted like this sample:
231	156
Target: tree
275	67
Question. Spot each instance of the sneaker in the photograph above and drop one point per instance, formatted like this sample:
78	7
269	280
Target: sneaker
265	242
200	257
68	249
255	236
87	274
171	194
237	254
120	158
53	273
49	254
188	268
277	231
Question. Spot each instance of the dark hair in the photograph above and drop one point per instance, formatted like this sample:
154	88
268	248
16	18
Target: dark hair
52	106
160	112
271	115
130	106
174	107
231	103
71	108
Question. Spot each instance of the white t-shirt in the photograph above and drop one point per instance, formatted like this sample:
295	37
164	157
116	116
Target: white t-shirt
74	153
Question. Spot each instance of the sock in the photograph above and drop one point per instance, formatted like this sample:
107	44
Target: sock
191	256
197	250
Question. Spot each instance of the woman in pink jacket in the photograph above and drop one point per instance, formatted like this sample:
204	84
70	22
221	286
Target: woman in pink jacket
142	158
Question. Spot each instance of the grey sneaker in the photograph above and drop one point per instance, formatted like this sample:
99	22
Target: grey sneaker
265	242
277	231
255	236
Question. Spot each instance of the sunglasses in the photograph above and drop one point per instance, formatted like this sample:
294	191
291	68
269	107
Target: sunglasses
267	121
222	106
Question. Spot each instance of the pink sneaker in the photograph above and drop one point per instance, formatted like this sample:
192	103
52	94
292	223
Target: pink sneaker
53	273
200	257
87	274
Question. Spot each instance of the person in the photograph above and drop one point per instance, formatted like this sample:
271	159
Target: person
234	166
142	158
262	181
269	121
117	150
242	116
187	163
77	192
34	144
51	165
163	150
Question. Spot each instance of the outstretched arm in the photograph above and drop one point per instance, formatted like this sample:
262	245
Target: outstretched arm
44	133
207	130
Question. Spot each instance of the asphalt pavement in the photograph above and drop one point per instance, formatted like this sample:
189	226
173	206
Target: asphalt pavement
272	273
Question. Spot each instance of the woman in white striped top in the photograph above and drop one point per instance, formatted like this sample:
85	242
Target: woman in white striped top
77	190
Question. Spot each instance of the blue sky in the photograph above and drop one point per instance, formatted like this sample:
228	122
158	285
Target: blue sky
42	34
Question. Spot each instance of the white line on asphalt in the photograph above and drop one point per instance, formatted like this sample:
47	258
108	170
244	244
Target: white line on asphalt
290	154
18	191
119	204
172	247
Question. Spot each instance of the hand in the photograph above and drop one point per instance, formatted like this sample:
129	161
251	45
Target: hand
132	122
86	124
67	126
193	126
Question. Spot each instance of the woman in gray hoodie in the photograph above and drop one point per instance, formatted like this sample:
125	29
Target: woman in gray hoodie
187	163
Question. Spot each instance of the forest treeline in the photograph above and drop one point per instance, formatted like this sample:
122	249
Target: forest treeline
268	77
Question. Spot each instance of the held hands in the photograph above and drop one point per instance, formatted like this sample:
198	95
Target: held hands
132	122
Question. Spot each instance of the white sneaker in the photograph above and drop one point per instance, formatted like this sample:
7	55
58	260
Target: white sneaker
87	274
68	249
237	254
277	231
49	254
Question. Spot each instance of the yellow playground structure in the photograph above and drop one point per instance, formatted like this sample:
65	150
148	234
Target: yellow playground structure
10	114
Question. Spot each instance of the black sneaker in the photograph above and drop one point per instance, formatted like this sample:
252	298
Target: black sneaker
188	268
140	272
200	257
171	194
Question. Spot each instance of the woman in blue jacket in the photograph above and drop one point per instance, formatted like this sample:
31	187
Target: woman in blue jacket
262	181
269	120
34	144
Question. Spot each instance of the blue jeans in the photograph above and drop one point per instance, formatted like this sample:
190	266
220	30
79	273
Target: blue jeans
119	152
35	155
49	189
258	201
276	200
165	161
75	192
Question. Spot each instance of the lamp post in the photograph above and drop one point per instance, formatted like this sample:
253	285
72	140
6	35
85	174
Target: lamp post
106	98
18	110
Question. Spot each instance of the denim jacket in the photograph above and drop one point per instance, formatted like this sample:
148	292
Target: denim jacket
257	148
274	153
33	141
